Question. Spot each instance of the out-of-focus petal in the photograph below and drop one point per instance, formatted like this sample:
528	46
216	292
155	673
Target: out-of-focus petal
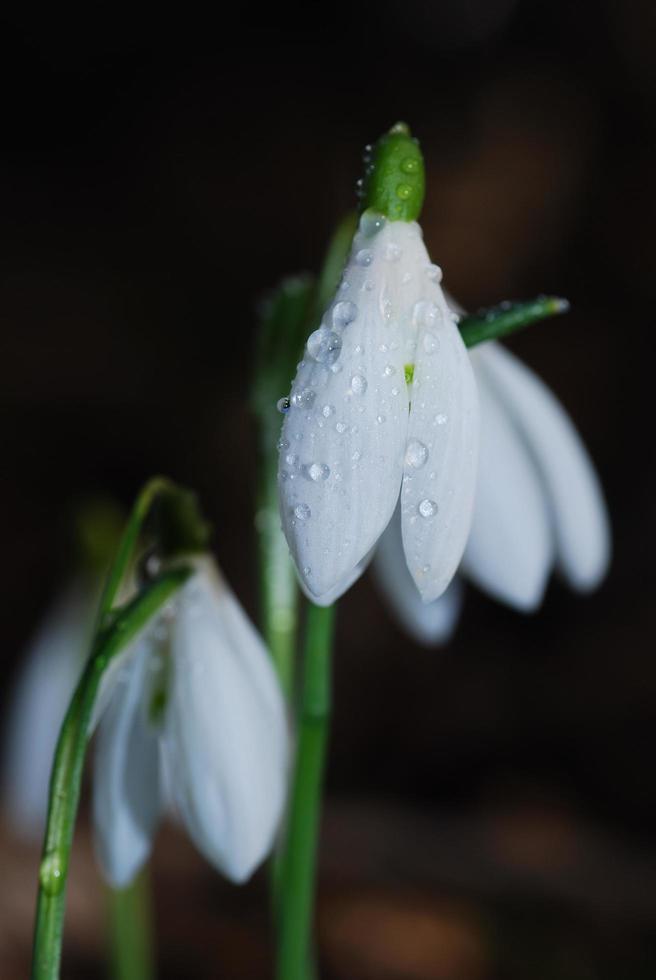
343	437
576	500
510	549
439	476
429	623
126	788
53	665
225	737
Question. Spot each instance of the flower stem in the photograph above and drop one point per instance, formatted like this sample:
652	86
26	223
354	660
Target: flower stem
68	765
299	857
130	915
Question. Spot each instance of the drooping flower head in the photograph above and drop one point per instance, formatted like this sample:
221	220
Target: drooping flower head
384	404
194	717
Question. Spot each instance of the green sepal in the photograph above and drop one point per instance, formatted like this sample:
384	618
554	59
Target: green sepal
508	317
394	181
177	523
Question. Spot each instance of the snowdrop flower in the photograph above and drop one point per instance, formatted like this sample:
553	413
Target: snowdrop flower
53	664
195	711
384	404
538	504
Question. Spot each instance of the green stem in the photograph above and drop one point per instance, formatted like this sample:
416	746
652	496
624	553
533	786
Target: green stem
299	858
68	765
130	914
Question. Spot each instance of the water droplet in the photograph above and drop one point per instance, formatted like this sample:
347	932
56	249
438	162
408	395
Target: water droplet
389	370
283	405
302	512
341	427
404	191
306	569
52	873
364	256
441	419
358	349
368	285
282	445
380	419
358	384
344	285
392	252
357	456
291	459
416	454
425	313
406	278
327	411
304	398
324	345
344	313
371	222
318	471
434	273
427	508
410	165
395	391
431	343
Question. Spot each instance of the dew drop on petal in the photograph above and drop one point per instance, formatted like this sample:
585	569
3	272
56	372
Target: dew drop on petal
371	222
425	313
389	370
434	273
416	454
283	405
318	471
344	313
282	444
392	252
324	345
364	257
327	411
427	508
302	512
358	384
431	343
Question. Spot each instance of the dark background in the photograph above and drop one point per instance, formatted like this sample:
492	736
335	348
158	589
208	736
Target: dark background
491	806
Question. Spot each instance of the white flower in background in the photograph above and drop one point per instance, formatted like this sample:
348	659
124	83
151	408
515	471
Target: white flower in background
53	664
357	437
193	711
538	504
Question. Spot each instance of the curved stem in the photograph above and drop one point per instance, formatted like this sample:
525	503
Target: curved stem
299	857
68	765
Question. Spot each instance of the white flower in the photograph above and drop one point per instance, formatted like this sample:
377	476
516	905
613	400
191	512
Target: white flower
195	712
356	431
538	504
46	681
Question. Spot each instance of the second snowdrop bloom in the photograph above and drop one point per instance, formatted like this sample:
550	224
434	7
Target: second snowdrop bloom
194	716
383	407
538	506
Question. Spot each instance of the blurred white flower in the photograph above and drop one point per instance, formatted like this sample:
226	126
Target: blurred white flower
45	684
194	711
538	504
383	407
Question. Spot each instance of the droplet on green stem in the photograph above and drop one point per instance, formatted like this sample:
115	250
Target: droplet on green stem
393	184
52	873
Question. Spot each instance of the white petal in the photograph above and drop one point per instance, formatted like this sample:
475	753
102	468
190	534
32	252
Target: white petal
52	667
439	476
577	505
430	623
328	598
126	788
225	733
343	437
510	549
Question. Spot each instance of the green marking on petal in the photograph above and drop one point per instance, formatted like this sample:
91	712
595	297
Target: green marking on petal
409	373
394	181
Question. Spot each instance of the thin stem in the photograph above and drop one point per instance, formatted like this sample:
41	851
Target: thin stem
68	765
130	914
299	859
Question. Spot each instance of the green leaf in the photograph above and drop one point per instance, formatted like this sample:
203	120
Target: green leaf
508	317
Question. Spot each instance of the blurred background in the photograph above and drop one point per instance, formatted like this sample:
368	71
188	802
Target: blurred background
491	805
